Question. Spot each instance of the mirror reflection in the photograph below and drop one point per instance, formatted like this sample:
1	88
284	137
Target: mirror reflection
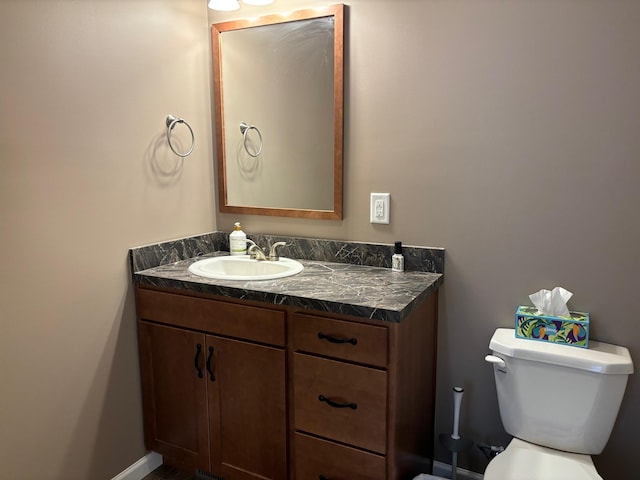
278	98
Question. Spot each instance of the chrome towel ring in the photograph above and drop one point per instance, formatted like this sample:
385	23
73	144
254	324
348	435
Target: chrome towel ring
244	129
171	122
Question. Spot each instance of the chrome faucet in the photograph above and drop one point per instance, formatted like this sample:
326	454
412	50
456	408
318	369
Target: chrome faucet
257	253
273	255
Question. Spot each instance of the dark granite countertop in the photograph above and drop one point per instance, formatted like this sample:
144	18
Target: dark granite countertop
366	291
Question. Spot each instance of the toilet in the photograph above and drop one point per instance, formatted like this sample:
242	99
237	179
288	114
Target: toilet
558	402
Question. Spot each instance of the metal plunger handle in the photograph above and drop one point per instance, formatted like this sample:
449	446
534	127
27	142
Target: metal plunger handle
457	400
453	442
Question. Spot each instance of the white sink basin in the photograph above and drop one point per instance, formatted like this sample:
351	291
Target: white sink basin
242	267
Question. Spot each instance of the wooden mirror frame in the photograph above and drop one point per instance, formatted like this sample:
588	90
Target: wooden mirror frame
336	11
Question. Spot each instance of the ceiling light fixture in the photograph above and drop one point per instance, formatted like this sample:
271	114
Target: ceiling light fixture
224	5
230	5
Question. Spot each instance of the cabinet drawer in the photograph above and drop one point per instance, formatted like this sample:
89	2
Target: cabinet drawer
241	321
317	458
340	401
341	339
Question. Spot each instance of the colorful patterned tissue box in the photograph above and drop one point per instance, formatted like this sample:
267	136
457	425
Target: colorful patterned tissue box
572	331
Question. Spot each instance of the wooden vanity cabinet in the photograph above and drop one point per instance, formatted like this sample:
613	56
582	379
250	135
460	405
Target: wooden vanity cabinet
295	394
211	401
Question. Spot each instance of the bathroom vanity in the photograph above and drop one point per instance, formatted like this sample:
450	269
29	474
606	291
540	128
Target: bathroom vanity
326	374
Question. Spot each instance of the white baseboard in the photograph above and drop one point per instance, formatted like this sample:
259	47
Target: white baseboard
141	468
153	460
444	470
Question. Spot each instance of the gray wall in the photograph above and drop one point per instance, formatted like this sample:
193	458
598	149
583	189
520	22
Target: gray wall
86	173
507	133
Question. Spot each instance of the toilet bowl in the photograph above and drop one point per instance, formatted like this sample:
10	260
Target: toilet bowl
526	461
558	402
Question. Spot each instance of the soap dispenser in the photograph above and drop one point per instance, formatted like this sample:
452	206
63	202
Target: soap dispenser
237	241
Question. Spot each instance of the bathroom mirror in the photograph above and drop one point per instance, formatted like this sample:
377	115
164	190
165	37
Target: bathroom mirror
278	94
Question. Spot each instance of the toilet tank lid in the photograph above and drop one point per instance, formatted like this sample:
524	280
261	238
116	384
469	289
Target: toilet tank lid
599	357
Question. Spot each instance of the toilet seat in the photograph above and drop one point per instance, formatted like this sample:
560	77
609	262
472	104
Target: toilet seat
525	461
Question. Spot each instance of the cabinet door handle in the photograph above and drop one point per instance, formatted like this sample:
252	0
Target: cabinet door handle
195	360
212	377
329	338
333	404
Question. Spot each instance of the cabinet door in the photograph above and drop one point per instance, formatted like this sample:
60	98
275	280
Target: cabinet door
174	392
247	402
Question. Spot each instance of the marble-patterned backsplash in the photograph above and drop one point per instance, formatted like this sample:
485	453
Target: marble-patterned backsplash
420	259
149	256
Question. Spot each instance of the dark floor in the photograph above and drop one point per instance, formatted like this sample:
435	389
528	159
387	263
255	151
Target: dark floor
165	472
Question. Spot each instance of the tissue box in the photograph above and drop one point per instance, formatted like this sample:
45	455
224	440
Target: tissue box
572	331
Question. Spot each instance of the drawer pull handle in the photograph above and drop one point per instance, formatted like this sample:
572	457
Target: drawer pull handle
324	336
195	360
212	377
322	477
333	404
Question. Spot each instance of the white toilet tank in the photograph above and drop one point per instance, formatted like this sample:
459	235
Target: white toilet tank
558	396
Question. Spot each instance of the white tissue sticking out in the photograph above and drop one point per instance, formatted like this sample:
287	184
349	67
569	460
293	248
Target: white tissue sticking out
552	302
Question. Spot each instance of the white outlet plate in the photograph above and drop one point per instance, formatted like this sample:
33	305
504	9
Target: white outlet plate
379	210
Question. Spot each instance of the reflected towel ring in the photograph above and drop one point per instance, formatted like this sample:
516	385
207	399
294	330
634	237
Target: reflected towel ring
244	129
171	122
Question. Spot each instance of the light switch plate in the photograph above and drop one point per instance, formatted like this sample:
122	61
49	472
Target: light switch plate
379	210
